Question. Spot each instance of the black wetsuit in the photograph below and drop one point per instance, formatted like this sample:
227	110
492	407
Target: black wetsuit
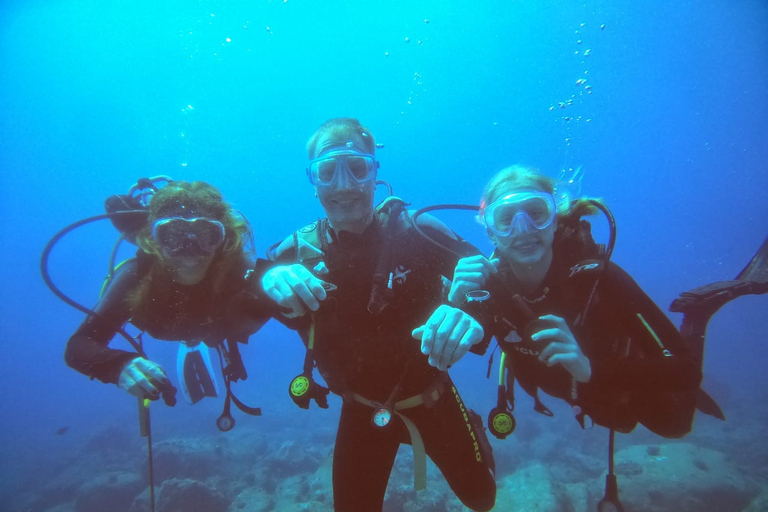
642	370
175	313
368	356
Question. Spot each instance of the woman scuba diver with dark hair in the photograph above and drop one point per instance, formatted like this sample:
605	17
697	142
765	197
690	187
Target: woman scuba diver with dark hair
187	283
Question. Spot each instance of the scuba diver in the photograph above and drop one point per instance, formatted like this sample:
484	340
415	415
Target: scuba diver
575	325
359	285
569	321
189	282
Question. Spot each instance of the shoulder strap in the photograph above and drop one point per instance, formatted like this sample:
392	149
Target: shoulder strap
388	213
310	243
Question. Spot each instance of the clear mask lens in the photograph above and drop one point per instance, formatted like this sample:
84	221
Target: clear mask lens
520	213
338	166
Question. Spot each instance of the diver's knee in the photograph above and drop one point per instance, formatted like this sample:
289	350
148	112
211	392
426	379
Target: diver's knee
484	504
482	501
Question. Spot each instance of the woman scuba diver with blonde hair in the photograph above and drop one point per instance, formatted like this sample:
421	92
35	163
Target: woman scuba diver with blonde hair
569	321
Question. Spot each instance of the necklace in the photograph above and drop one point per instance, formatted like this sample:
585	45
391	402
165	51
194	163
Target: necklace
538	299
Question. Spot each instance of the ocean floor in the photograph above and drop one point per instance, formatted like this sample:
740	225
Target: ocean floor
264	465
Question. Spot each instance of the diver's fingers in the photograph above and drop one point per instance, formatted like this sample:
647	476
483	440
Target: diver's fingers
152	377
475	264
285	297
310	288
556	330
474	277
489	266
293	287
448	335
276	287
551	334
296	293
553	349
570	358
149	389
154	374
556	321
446	340
127	381
429	330
133	379
468	332
562	358
471	274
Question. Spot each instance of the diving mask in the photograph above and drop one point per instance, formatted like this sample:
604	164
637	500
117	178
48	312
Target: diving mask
342	167
521	212
179	235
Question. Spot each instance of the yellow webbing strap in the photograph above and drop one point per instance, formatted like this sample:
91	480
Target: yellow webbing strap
419	452
311	340
419	455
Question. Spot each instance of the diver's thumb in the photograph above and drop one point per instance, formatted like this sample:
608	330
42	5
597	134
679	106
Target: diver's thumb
418	332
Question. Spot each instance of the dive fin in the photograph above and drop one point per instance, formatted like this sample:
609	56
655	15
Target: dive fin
196	377
698	305
756	270
706	404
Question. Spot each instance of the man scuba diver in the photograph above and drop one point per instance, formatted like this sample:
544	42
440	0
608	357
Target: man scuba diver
359	286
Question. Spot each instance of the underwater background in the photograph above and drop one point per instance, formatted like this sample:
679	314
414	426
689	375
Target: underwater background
660	108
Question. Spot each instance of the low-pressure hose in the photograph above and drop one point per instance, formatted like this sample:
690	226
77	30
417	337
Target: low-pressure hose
421	211
55	289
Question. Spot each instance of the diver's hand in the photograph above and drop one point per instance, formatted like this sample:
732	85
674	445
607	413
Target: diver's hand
470	274
143	378
447	336
562	348
293	287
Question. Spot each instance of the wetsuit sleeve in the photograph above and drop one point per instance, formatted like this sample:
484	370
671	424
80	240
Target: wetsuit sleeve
87	350
657	358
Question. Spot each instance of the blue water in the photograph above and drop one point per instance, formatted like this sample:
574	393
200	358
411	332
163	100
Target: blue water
93	95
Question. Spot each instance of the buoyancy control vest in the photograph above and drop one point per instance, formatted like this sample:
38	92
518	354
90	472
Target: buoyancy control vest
574	273
312	247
